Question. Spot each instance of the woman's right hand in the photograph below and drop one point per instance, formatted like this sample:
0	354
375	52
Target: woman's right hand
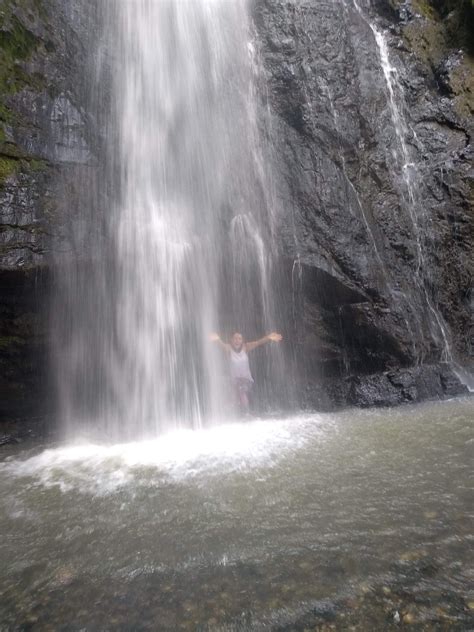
214	337
275	337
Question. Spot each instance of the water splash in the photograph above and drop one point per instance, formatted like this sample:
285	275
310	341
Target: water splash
100	469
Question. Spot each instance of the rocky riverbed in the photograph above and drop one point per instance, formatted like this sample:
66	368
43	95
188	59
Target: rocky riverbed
350	521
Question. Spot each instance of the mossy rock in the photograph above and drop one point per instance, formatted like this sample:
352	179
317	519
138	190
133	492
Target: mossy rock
456	17
17	46
14	161
11	150
16	41
427	38
8	167
421	7
11	342
424	8
462	85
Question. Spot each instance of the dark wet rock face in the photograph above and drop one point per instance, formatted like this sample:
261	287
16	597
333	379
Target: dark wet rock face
379	220
43	143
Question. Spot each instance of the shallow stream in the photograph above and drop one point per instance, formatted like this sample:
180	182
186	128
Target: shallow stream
357	520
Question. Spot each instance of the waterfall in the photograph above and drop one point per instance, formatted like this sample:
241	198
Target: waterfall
410	186
185	208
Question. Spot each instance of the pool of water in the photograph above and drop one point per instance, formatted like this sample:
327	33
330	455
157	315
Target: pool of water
357	520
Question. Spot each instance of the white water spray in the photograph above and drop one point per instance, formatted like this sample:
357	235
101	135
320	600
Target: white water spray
190	209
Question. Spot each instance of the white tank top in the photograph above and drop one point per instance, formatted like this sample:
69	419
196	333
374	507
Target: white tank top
239	365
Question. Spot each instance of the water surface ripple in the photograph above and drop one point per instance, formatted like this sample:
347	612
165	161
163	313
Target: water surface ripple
316	520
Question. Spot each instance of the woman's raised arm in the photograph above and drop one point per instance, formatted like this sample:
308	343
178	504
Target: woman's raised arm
216	338
273	337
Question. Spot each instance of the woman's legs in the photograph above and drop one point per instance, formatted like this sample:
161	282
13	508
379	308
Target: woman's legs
242	388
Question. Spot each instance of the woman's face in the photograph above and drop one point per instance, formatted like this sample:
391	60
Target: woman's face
237	341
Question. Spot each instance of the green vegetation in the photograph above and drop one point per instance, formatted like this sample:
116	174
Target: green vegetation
445	26
37	165
16	41
455	18
17	45
14	161
9	342
424	8
8	166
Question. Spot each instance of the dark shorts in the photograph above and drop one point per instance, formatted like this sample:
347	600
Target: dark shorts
242	385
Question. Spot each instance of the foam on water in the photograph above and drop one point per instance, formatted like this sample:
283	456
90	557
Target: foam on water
95	468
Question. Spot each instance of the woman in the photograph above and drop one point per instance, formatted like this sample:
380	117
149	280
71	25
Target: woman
240	374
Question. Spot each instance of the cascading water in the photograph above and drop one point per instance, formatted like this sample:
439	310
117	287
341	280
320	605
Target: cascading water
410	183
184	246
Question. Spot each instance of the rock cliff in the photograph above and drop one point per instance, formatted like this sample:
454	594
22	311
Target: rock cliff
373	167
371	109
43	144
